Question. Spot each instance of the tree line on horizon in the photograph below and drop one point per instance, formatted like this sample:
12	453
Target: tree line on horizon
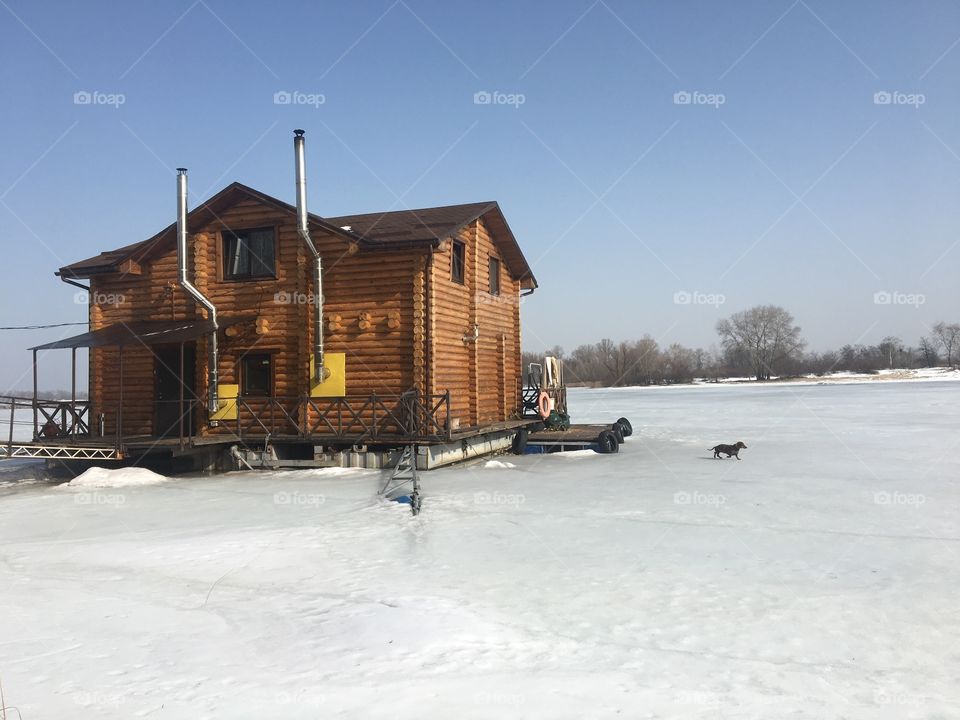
761	342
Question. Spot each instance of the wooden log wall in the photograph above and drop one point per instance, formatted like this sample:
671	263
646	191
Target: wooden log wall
397	315
369	315
482	375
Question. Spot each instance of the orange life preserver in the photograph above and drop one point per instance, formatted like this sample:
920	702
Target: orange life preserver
543	404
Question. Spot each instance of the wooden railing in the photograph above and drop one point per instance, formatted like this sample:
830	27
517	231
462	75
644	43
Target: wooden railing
354	419
49	418
409	416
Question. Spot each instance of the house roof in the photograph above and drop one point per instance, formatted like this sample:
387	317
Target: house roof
141	332
372	231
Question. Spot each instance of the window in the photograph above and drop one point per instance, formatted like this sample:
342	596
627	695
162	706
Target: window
457	263
494	276
249	254
256	374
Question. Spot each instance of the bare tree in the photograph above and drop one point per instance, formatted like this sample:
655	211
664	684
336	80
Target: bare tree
948	338
765	335
928	352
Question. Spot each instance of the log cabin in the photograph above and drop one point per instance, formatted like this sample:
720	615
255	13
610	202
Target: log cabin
250	320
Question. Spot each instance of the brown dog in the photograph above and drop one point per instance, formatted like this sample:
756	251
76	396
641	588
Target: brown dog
728	450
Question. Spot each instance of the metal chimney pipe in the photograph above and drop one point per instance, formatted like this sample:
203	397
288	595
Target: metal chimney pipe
191	290
319	371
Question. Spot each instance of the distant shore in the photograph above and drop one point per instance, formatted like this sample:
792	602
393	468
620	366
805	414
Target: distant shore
937	374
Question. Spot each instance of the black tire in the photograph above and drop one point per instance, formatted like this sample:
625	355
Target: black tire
617	430
520	442
607	442
625	427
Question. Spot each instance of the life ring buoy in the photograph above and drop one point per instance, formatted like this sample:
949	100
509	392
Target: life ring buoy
543	404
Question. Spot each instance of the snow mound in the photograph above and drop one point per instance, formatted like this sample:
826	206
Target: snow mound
97	477
498	464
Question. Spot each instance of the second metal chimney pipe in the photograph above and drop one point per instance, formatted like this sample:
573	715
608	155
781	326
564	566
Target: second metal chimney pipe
191	290
319	371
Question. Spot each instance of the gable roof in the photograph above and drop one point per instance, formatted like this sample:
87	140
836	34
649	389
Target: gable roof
372	231
436	224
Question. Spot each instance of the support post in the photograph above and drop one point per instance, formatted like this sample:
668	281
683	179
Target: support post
73	391
120	403
181	396
36	432
13	415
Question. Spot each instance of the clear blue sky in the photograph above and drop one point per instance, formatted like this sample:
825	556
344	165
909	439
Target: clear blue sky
799	189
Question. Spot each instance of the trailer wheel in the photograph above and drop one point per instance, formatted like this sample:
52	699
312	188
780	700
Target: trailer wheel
617	430
607	442
625	427
520	442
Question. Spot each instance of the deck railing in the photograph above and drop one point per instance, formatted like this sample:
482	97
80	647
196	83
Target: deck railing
354	418
48	418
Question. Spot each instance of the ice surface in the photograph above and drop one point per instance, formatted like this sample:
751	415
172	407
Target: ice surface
816	578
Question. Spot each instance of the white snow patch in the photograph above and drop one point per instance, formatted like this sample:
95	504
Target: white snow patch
97	477
498	464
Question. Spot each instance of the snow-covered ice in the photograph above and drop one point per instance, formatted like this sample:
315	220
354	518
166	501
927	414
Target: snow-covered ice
816	578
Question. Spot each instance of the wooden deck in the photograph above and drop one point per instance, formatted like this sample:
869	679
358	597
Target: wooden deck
575	435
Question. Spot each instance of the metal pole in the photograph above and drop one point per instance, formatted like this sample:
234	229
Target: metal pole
13	413
120	405
73	391
35	432
181	396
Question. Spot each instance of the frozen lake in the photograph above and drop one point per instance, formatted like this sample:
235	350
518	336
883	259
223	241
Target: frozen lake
817	578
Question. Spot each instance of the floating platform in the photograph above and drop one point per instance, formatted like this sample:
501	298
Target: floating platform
576	437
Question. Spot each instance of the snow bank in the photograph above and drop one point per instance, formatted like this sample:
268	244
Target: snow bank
97	477
498	464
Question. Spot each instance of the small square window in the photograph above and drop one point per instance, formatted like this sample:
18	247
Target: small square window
249	254
256	374
457	263
494	276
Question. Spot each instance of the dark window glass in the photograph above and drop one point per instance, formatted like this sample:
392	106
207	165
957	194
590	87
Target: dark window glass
457	263
256	374
494	276
249	254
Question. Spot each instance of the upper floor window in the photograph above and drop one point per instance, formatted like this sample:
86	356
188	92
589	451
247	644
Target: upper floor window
494	276
249	254
457	263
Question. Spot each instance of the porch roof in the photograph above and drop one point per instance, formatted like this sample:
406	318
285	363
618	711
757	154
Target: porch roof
140	332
